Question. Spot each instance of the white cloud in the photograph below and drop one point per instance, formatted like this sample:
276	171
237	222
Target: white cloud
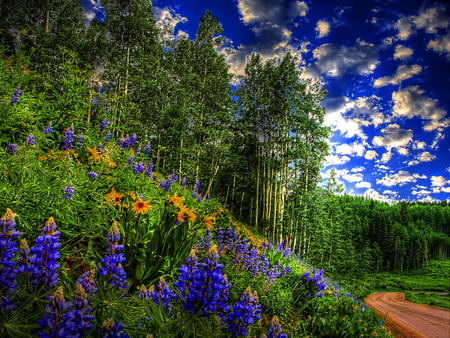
336	160
382	167
349	116
402	53
404	27
336	60
432	18
373	194
421	193
357	169
363	185
386	157
354	148
422	157
370	155
401	178
410	102
167	17
441	45
269	21
393	137
403	73
403	151
390	192
438	181
322	28
419	145
438	137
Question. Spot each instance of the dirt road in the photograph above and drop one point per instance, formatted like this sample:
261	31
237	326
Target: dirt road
409	319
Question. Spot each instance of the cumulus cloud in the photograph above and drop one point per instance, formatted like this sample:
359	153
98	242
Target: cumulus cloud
92	8
270	21
393	137
370	155
438	181
336	60
363	185
410	102
402	53
375	195
357	169
403	73
419	145
167	19
354	148
350	116
441	45
346	175
421	193
336	160
422	157
401	178
322	28
386	157
430	18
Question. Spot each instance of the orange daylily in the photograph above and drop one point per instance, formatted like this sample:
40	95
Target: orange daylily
208	221
176	200
132	195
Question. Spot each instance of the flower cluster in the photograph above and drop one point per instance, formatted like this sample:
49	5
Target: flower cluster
244	313
275	330
87	282
113	269
68	192
93	174
138	168
111	329
316	277
203	285
164	296
79	318
49	129
15	96
30	141
67	141
12	148
43	267
53	318
103	125
108	137
8	273
149	171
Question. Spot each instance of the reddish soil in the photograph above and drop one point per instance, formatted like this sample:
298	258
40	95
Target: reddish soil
410	320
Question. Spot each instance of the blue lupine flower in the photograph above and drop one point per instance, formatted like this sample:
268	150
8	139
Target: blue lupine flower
197	186
244	313
139	168
184	183
68	192
16	95
49	129
149	171
8	273
23	262
80	140
203	285
43	267
275	330
113	269
92	174
165	185
133	140
87	282
111	329
147	149
79	319
272	275
138	149
67	141
108	137
126	142
12	148
130	160
103	125
205	242
164	296
30	141
54	316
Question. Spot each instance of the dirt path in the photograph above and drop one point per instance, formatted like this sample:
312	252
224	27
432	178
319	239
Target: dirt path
409	319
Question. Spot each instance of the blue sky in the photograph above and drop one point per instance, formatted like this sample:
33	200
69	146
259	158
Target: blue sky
385	65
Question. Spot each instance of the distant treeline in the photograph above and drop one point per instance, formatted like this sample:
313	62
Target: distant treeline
352	235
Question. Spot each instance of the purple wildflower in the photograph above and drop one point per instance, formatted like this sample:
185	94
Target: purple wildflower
103	125
49	129
79	319
275	330
68	192
149	171
111	329
244	313
147	149
108	137
43	267
12	148
87	282
30	141
8	273
92	174
113	269
139	168
133	140
54	316
164	296
16	95
67	141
